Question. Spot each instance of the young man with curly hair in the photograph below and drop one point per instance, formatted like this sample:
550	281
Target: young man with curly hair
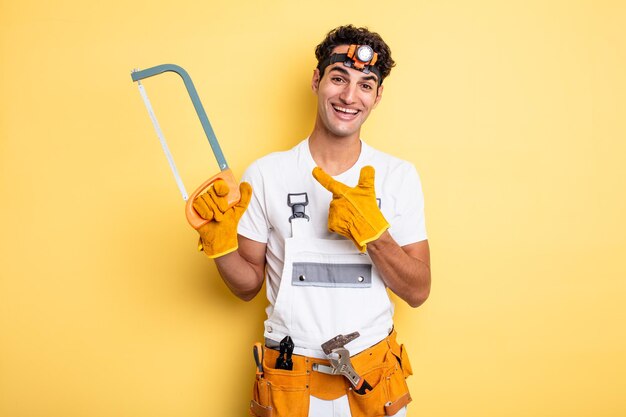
329	225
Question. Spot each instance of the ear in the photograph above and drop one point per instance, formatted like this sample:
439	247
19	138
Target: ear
315	82
379	96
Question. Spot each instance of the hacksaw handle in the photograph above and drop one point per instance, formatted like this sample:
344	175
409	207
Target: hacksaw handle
233	196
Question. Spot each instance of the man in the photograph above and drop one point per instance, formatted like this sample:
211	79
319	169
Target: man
332	223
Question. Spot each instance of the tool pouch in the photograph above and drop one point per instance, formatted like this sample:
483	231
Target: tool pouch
390	392
283	393
280	392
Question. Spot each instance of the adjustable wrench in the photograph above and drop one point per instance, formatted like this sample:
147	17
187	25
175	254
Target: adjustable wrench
340	363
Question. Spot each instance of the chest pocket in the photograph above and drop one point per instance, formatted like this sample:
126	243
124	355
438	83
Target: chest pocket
331	275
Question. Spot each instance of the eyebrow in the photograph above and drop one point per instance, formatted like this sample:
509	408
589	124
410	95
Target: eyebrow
346	73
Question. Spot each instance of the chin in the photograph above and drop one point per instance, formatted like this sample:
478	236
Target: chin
343	133
342	129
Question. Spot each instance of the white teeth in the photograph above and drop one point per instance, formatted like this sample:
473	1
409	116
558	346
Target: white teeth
344	110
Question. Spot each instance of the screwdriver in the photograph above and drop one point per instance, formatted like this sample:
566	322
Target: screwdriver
257	351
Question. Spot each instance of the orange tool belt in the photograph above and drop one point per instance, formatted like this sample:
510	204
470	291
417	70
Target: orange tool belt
385	366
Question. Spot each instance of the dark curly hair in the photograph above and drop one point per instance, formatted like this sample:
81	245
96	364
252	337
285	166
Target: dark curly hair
348	35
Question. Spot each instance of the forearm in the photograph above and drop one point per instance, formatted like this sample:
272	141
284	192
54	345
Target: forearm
243	270
406	274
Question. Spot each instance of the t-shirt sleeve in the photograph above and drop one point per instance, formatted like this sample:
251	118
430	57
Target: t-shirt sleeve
253	223
408	224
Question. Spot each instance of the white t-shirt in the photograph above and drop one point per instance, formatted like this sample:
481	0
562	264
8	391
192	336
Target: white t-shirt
279	174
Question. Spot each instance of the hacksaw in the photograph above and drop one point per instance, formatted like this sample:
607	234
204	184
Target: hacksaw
225	173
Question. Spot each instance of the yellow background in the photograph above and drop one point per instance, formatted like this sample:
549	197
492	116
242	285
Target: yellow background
513	113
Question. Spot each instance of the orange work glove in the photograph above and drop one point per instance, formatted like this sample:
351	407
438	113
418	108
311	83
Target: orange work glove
354	212
219	236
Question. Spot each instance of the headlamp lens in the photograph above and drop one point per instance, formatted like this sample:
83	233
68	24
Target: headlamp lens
364	53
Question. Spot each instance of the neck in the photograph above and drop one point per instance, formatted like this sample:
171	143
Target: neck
334	154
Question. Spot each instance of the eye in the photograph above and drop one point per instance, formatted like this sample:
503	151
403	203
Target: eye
337	80
367	87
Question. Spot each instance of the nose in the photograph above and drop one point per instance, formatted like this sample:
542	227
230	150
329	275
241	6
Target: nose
348	93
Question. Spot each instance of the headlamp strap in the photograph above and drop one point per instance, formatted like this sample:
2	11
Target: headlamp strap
351	60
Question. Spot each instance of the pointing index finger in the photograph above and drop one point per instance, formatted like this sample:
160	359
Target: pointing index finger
328	182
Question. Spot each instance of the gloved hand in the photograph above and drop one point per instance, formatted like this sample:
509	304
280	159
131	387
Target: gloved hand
354	212
219	236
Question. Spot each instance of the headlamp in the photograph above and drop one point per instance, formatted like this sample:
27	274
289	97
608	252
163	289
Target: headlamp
360	57
364	55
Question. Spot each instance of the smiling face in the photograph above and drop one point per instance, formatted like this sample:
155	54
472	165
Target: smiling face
345	98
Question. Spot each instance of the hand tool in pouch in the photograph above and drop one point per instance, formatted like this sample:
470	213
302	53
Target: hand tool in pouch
284	360
225	173
257	352
340	363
